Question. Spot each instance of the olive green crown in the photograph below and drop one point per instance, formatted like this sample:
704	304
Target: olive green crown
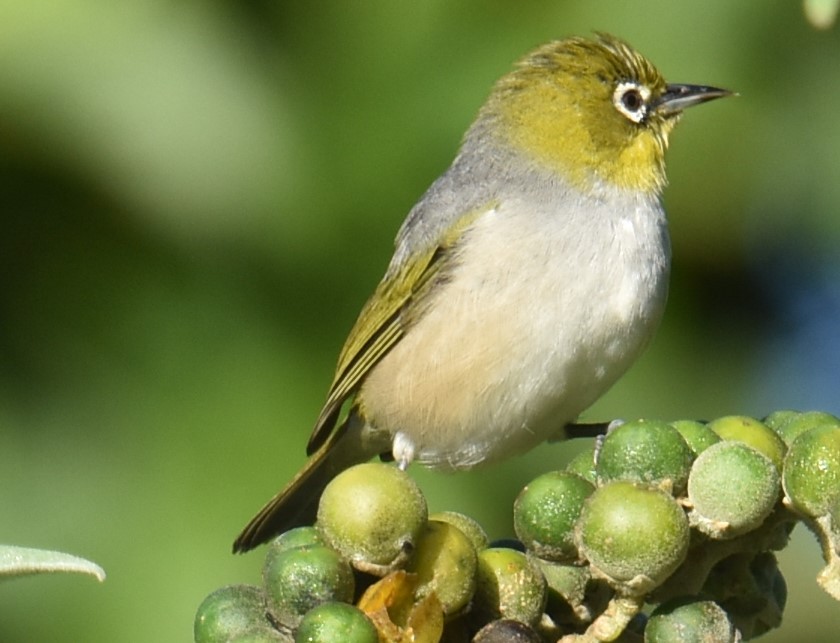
557	107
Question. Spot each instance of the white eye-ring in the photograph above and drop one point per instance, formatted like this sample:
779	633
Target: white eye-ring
631	99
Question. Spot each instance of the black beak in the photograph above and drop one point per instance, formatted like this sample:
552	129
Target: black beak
677	97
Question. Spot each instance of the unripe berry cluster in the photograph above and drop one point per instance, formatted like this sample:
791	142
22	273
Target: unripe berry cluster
662	532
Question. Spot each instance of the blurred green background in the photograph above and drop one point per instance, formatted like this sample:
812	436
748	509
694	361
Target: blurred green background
197	197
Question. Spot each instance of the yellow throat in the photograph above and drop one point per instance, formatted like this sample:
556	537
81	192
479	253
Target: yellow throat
587	110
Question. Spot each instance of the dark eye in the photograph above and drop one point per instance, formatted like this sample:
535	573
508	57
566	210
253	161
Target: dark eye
630	99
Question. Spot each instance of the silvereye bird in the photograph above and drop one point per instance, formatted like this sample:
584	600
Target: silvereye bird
524	282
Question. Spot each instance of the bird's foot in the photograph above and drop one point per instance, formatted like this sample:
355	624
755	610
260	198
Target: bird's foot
403	449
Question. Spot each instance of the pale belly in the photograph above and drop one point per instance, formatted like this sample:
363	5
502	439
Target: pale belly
526	335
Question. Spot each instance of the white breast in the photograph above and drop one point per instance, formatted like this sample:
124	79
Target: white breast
545	311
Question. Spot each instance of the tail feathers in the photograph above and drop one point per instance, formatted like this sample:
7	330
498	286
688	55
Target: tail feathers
297	504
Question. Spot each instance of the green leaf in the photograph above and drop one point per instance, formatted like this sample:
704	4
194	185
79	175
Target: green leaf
24	561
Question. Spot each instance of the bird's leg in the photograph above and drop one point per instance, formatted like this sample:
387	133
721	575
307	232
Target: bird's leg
576	430
597	430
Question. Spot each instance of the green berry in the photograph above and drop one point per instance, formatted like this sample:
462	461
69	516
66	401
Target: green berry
229	612
777	419
567	590
805	422
811	476
333	622
732	489
445	563
545	513
632	535
646	451
372	514
508	586
697	435
265	634
583	464
468	526
689	620
296	580
297	537
753	433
